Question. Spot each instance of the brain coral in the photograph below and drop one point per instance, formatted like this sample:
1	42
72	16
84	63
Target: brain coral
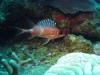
72	6
76	64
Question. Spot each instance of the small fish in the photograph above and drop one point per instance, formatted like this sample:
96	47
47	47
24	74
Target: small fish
46	29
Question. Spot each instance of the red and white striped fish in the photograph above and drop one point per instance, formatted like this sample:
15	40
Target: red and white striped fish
46	29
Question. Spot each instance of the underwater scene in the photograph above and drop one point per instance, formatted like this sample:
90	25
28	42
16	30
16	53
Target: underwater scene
49	37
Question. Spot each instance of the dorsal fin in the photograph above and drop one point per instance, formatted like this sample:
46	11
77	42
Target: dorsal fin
46	23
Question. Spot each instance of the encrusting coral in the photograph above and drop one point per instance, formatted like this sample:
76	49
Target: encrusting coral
76	64
78	43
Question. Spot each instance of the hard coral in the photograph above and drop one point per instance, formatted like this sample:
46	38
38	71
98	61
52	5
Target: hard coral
96	47
76	64
87	28
72	6
77	43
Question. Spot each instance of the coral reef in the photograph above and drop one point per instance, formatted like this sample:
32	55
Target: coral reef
88	28
32	56
70	6
53	50
76	64
67	23
96	48
25	15
78	43
13	65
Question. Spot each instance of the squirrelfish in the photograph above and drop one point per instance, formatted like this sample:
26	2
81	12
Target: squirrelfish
46	29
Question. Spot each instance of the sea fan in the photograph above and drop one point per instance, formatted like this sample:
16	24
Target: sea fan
76	64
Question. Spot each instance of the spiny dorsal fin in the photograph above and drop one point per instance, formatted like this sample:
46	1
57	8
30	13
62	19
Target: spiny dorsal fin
47	23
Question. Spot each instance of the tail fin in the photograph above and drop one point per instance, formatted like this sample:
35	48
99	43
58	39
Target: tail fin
23	31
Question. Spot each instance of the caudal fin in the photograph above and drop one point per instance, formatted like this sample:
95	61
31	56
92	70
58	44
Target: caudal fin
23	31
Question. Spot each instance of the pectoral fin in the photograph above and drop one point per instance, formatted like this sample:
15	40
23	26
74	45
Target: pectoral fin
46	42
